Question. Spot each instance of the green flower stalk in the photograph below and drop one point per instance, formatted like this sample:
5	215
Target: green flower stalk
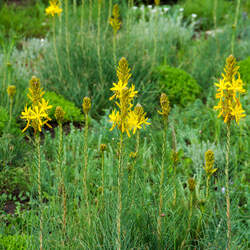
81	23
67	35
234	26
37	116
90	12
59	115
229	90
116	25
103	148
175	160
11	90
126	120
53	10
86	105
191	187
209	163
165	109
99	40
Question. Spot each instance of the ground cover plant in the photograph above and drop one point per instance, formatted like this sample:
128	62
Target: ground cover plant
126	126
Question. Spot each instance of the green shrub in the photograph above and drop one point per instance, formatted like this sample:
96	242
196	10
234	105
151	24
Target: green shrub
245	71
72	113
180	87
13	242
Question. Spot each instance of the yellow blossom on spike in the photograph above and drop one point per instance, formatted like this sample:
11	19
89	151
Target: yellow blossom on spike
229	90
54	8
36	116
114	21
125	119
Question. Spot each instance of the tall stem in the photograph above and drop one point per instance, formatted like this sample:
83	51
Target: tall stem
55	48
227	188
67	35
38	151
102	176
114	48
90	12
99	41
85	167
119	196
207	186
235	26
162	178
81	23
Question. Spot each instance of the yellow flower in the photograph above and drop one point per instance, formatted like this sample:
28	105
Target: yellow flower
237	112
35	91
157	2
229	90
54	8
126	119
36	116
114	21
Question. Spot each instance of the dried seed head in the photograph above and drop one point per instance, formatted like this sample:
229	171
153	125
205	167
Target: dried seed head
86	105
59	114
191	184
11	90
103	147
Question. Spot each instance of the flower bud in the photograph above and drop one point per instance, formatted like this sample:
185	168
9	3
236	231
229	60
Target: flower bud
86	105
11	90
103	147
59	114
191	184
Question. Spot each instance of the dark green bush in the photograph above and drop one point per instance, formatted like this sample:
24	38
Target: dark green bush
72	113
245	71
180	87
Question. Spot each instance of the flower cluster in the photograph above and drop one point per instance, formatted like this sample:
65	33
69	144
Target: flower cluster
54	8
228	93
115	21
37	114
126	119
209	163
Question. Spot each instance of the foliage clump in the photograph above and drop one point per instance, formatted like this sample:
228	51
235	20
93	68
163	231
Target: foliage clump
72	113
180	87
13	242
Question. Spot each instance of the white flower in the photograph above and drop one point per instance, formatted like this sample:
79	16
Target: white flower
150	6
194	15
142	7
181	9
223	190
134	7
166	9
154	10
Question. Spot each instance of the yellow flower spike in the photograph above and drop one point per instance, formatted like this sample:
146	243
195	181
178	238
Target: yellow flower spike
11	90
86	105
36	116
209	163
191	184
103	147
35	91
115	20
123	70
165	106
229	90
54	8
